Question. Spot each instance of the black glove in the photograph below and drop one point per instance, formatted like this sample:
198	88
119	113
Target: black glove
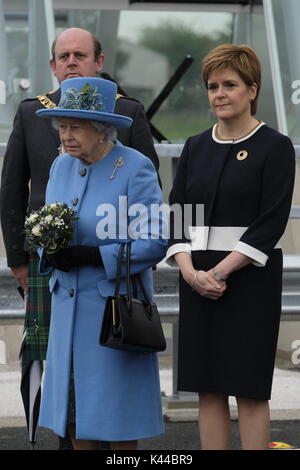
74	256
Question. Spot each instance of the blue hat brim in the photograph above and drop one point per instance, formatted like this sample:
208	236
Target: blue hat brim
116	120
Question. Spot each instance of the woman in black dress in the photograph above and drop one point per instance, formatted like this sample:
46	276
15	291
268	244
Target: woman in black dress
242	171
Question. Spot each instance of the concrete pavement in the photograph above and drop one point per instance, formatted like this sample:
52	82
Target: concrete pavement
178	436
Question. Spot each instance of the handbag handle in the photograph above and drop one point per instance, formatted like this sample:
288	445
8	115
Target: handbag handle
128	275
128	256
133	279
130	278
119	268
143	289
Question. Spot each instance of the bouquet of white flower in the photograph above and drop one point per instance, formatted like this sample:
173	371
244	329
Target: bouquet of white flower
50	227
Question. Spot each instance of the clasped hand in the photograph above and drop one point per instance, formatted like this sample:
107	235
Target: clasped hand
206	285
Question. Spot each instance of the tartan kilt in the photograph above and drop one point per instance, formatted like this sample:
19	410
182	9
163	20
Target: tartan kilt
37	314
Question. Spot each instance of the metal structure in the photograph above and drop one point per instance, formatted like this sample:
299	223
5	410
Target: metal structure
275	65
41	36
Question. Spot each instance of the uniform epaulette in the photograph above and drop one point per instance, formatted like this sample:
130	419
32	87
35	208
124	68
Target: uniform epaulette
46	102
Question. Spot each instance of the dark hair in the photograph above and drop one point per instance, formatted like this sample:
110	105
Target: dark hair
242	59
97	46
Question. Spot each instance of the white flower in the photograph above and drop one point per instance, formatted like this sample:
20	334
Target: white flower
32	218
58	223
39	227
36	230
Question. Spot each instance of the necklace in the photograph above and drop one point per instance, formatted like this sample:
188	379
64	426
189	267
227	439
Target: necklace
236	138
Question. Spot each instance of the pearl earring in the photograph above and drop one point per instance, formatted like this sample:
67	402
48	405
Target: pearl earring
61	149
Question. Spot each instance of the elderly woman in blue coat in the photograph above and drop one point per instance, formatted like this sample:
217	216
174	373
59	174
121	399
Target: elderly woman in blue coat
115	394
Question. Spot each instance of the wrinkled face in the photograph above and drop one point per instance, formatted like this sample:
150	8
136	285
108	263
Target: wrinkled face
229	96
79	138
75	56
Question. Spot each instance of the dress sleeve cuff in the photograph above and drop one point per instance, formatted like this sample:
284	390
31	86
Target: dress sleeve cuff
259	258
177	248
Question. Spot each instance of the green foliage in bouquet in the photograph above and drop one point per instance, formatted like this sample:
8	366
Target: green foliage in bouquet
50	227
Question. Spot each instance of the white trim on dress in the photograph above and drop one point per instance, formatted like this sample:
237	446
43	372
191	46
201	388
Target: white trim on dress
229	141
217	239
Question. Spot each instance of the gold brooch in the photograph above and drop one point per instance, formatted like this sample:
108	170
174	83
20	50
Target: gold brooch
242	155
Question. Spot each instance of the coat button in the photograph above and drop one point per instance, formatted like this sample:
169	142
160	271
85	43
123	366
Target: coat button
83	172
75	201
71	292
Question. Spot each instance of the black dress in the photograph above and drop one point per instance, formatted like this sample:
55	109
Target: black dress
229	345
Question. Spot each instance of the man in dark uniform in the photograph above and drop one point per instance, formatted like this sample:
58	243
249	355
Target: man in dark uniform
31	149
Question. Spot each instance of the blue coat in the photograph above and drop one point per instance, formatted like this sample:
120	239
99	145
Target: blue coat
117	393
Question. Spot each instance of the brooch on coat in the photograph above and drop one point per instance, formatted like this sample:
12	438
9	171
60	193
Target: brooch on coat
118	163
242	155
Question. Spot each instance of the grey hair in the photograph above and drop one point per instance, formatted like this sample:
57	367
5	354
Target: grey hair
109	130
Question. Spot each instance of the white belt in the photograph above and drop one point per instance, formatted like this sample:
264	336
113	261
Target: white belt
216	238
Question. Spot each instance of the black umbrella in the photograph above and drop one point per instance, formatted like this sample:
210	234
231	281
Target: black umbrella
31	394
32	371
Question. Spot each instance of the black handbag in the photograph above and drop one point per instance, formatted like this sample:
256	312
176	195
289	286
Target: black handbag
129	323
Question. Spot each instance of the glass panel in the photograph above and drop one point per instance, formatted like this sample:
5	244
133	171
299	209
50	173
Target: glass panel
252	31
17	85
286	26
282	22
152	44
162	40
147	48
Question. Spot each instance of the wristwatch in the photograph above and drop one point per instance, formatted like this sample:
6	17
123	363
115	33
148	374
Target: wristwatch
217	275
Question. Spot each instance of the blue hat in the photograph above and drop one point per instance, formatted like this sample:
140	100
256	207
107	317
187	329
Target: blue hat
88	98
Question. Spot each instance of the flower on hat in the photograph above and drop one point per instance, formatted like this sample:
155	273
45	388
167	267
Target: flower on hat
86	99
